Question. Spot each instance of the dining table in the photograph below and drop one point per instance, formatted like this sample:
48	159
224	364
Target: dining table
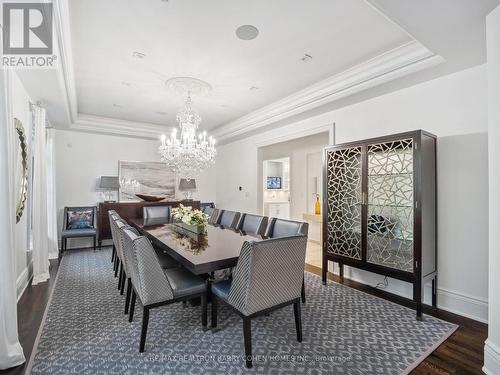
214	249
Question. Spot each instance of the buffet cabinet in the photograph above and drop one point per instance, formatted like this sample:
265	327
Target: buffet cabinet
379	208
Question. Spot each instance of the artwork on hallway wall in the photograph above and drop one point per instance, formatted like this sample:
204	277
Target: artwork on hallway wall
138	177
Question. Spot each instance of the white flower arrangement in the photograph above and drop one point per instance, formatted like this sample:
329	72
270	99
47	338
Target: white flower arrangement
187	215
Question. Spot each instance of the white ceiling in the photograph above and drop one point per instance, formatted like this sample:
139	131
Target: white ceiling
197	38
359	49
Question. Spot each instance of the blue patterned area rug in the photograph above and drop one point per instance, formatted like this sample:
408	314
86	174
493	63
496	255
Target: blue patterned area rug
345	332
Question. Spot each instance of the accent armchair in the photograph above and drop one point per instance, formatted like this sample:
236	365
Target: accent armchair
78	222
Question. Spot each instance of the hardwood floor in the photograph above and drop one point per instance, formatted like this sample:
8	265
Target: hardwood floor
460	354
30	310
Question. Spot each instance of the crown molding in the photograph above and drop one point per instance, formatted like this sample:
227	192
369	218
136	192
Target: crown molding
107	125
65	66
388	66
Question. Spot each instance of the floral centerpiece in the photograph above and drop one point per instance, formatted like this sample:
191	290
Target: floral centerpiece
192	220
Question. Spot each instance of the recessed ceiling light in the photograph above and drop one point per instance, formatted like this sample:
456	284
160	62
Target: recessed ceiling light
138	55
117	105
253	88
247	32
306	57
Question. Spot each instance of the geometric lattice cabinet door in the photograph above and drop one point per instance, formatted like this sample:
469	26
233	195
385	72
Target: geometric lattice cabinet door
390	204
343	195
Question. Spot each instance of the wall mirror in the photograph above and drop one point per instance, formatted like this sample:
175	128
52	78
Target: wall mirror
21	169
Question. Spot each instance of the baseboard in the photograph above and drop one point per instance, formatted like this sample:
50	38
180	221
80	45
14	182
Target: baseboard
462	304
448	300
23	280
491	358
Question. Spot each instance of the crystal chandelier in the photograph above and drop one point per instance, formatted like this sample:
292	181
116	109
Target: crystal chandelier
191	153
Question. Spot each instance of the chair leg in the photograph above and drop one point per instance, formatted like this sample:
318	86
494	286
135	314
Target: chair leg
247	335
120	275
204	310
113	254
144	331
95	239
132	307
214	311
116	266
303	291
127	296
298	320
124	278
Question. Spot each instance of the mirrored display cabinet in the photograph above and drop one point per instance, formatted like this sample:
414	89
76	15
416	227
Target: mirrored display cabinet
379	208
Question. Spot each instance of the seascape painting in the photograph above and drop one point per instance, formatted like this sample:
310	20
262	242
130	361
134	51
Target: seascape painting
153	178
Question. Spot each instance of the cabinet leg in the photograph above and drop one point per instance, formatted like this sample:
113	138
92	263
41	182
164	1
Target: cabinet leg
341	272
417	297
324	270
434	292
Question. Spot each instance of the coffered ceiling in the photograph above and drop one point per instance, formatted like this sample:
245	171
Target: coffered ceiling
117	54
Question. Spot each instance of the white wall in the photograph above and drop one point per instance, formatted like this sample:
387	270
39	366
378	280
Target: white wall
21	110
452	107
492	345
82	158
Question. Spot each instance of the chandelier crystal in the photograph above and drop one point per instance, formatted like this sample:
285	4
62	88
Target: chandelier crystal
191	152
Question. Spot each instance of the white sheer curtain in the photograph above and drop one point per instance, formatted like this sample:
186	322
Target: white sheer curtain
11	352
51	195
40	226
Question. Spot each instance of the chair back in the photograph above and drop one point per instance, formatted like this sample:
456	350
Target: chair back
285	228
156	212
228	219
149	280
252	224
79	210
205	205
116	226
126	255
113	216
213	216
268	273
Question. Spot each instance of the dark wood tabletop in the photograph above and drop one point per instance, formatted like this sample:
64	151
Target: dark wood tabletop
217	249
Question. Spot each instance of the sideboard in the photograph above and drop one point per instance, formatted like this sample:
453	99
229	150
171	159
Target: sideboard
129	210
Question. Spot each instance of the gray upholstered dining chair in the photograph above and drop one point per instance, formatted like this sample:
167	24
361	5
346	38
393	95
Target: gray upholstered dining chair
283	228
113	215
117	225
156	287
213	215
228	219
78	222
268	276
156	212
254	225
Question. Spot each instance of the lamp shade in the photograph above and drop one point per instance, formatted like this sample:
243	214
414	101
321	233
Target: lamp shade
109	183
187	184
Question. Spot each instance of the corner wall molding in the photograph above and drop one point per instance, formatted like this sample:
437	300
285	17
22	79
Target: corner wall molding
491	358
388	66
